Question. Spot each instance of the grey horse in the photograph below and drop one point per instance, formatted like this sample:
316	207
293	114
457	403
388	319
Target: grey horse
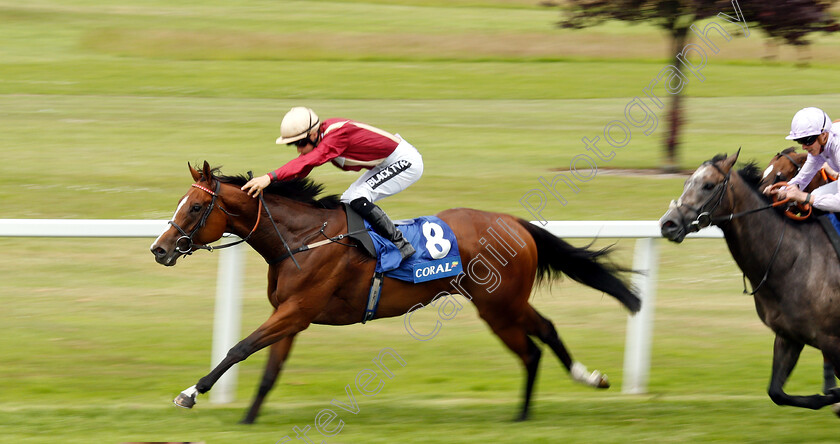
791	265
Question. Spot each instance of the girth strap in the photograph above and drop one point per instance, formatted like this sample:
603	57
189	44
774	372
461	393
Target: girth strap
373	296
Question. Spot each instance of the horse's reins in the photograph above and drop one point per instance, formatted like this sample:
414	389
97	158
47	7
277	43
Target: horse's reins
769	266
704	219
277	230
305	247
192	246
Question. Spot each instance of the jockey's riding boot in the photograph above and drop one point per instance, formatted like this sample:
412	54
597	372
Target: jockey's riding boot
382	224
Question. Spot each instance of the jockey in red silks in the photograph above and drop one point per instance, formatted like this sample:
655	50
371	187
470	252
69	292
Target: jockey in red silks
392	163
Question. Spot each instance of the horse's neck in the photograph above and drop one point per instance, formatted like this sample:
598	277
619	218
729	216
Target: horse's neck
295	221
756	240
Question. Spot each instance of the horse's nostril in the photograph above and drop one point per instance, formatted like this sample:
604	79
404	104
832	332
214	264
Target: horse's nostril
158	252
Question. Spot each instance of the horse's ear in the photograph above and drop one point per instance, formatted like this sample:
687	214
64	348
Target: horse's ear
730	161
195	174
206	172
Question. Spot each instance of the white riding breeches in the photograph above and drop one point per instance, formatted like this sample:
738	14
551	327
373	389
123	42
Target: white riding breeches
397	172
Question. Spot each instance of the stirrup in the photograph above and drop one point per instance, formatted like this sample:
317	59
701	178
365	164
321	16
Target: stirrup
406	250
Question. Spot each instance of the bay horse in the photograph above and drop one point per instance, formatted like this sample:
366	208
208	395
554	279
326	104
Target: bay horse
786	164
792	267
332	283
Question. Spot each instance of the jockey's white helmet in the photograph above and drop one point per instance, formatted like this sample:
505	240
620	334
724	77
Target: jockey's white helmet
808	122
297	124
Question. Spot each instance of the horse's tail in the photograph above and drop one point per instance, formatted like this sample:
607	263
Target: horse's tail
589	267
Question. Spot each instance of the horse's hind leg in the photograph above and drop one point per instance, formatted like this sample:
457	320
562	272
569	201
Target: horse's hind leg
829	380
532	364
277	355
514	337
831	371
544	329
785	355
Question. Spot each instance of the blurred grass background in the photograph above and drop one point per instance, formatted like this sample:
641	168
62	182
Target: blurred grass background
102	106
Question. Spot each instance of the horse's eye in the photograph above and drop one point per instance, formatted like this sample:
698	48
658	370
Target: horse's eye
708	186
195	208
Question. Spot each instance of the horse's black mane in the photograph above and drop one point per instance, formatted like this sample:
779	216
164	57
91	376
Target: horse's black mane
302	189
749	172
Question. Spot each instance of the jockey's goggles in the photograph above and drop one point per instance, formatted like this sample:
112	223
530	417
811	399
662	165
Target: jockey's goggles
300	143
806	141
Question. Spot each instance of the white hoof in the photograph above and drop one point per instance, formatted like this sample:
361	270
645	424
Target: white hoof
187	398
836	408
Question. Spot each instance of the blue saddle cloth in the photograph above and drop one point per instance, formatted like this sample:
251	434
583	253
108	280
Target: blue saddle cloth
832	217
436	256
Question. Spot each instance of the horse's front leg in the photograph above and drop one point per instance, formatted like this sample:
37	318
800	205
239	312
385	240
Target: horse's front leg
785	356
285	321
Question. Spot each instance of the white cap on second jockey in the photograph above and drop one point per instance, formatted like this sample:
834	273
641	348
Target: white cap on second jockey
297	124
808	122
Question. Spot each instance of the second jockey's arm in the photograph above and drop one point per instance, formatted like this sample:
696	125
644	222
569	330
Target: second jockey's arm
791	191
797	195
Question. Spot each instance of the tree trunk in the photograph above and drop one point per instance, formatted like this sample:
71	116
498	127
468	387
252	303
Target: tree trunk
675	111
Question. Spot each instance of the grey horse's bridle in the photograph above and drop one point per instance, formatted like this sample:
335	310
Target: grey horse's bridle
704	218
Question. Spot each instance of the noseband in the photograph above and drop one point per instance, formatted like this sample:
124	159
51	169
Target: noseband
187	239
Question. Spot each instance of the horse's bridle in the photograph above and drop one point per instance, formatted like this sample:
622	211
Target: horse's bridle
795	163
192	246
704	218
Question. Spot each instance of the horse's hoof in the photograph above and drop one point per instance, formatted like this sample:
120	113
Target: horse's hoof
186	402
186	399
836	409
603	382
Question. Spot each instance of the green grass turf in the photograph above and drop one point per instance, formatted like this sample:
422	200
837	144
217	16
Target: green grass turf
106	338
102	106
